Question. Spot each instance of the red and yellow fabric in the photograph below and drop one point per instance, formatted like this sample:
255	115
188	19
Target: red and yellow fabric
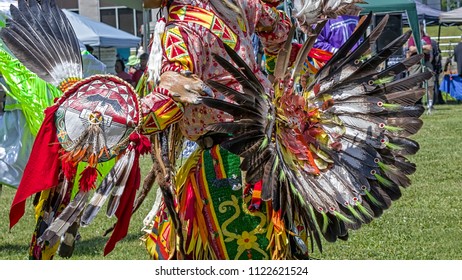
214	212
207	19
213	208
317	58
44	204
37	252
175	49
159	111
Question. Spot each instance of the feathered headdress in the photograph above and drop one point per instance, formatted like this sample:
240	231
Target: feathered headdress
96	119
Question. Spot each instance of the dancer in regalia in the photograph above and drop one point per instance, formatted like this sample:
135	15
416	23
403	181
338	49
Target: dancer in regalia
275	171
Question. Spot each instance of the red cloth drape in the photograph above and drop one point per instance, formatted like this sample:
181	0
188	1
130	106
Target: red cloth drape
125	209
42	169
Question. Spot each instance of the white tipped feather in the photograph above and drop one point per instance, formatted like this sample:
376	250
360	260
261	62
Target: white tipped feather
155	58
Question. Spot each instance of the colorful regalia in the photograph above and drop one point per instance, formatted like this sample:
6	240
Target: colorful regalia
26	98
291	150
274	170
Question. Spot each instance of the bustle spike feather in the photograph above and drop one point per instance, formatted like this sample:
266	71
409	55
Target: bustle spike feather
61	224
155	57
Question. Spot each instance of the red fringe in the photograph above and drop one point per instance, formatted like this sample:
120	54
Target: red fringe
142	143
69	169
88	179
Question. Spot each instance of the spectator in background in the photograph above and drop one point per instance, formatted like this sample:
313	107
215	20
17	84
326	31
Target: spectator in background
90	50
139	73
133	64
91	65
338	30
417	68
120	71
303	82
437	65
458	57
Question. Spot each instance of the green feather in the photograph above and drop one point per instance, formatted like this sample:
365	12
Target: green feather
363	210
383	80
393	128
386	167
311	210
343	217
264	143
325	222
393	146
298	195
276	163
355	213
282	176
383	181
372	198
391	106
363	57
383	166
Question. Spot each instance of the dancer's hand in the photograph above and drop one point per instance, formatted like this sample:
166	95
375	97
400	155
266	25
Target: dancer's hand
185	88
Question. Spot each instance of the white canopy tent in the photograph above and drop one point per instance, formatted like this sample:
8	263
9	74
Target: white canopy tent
450	18
98	34
454	16
90	32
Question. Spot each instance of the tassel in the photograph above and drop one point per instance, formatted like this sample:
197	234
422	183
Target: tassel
88	179
155	58
91	145
69	169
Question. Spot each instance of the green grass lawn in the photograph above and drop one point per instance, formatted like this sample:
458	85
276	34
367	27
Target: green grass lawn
14	244
426	223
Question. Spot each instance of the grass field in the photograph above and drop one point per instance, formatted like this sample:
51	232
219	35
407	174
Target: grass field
426	223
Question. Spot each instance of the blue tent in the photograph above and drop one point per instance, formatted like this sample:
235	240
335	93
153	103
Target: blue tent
425	13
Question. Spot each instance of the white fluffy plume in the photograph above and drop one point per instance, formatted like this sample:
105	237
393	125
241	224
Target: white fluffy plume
155	58
311	11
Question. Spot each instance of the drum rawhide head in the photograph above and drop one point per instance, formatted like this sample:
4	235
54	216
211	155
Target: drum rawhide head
95	118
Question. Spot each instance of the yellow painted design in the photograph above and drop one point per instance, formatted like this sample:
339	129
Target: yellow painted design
39	208
164	116
245	240
47	252
242	25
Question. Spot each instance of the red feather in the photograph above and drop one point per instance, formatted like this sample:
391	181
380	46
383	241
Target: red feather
88	179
